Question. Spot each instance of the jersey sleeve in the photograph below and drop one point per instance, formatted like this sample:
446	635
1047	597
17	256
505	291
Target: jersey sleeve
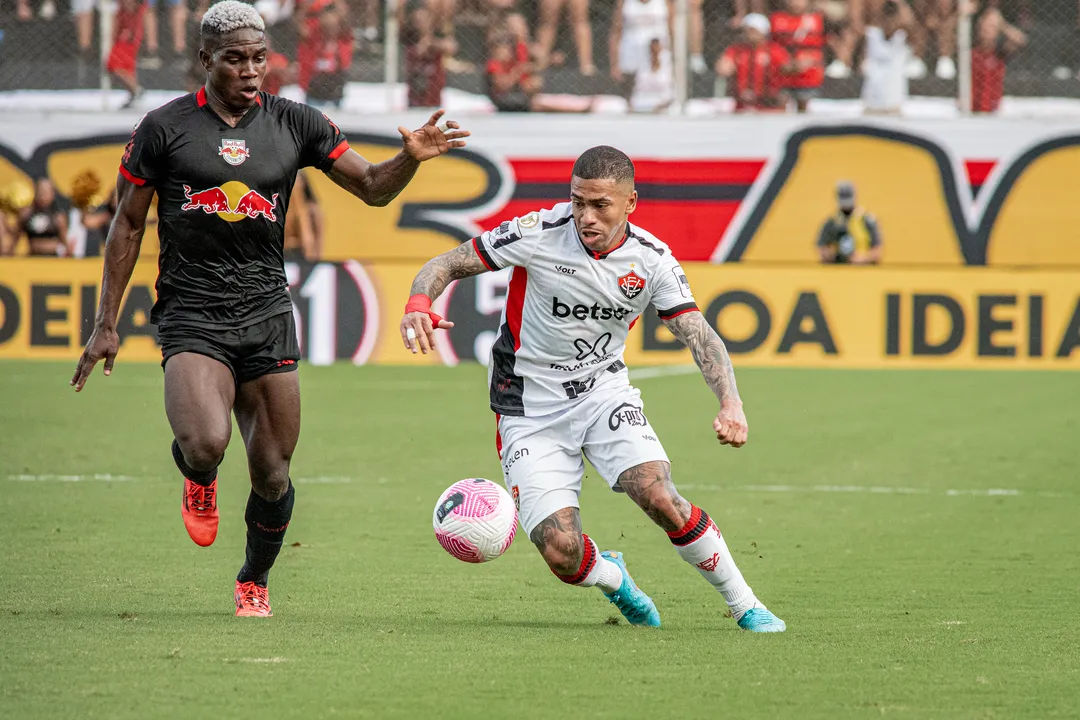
671	295
321	141
512	243
144	157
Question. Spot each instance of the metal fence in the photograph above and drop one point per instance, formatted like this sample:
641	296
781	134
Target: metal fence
697	57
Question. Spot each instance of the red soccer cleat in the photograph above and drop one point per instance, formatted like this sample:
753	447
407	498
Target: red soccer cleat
252	600
200	512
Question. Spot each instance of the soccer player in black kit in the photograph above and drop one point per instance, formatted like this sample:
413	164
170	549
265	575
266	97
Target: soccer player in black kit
223	161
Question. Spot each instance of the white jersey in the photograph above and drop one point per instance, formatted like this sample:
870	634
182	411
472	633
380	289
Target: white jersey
568	310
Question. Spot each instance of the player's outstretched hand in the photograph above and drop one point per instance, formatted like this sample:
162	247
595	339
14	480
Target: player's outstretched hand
433	140
104	344
730	425
418	330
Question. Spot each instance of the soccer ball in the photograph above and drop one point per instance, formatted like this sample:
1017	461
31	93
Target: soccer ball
475	520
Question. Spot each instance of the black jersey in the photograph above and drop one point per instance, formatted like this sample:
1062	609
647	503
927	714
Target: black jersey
222	197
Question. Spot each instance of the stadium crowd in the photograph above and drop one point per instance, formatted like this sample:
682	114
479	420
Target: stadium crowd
558	55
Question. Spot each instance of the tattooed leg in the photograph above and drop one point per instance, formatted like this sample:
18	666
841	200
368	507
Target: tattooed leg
571	554
649	485
691	531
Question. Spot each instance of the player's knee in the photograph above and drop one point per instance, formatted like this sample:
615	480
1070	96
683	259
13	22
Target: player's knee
563	552
272	484
203	450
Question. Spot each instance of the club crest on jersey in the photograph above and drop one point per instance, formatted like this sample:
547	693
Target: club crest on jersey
631	285
235	152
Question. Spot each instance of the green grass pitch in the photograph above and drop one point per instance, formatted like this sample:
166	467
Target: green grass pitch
918	531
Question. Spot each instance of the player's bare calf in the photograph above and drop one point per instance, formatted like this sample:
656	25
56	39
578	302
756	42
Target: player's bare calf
575	559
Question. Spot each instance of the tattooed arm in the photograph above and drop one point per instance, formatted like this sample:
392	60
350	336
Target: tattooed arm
430	282
710	354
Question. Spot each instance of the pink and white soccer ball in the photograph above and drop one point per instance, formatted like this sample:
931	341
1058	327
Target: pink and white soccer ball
475	520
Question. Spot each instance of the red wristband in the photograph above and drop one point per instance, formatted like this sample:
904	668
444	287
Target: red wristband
422	304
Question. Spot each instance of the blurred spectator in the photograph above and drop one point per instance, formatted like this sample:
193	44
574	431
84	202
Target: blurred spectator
90	217
279	72
885	83
325	53
654	85
304	223
425	73
995	41
801	31
127	37
83	11
43	223
514	86
550	13
177	24
634	25
758	66
47	11
851	235
936	18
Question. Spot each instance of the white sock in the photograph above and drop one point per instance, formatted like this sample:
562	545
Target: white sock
700	543
594	570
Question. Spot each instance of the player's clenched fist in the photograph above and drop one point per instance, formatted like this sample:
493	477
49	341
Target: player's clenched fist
419	324
730	425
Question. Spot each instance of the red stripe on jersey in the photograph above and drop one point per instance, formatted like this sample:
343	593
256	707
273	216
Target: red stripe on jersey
339	150
515	301
498	435
677	314
131	178
200	97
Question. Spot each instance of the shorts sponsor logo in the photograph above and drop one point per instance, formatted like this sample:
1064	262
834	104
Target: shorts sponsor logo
511	459
565	270
709	564
629	414
595	311
234	152
651	438
631	284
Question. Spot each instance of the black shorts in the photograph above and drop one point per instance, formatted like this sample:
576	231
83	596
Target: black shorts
250	352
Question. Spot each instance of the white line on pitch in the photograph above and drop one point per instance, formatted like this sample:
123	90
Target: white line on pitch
98	477
871	489
662	371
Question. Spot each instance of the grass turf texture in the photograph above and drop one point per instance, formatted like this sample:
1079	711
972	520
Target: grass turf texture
912	603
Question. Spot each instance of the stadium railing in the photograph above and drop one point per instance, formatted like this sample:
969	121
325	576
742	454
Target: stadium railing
63	45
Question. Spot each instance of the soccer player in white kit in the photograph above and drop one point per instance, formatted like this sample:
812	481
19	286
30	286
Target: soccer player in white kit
582	275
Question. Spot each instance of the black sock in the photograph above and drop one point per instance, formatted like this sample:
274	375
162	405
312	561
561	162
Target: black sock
266	522
199	478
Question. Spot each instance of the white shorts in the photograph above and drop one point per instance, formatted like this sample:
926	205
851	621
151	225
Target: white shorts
542	456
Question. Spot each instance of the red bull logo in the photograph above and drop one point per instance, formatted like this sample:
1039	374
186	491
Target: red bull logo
232	201
234	152
253	205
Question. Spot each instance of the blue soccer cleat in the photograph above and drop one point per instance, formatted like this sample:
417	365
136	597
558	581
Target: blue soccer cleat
637	607
759	619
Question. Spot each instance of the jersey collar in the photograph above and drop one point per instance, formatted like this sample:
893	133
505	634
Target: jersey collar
601	256
202	102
